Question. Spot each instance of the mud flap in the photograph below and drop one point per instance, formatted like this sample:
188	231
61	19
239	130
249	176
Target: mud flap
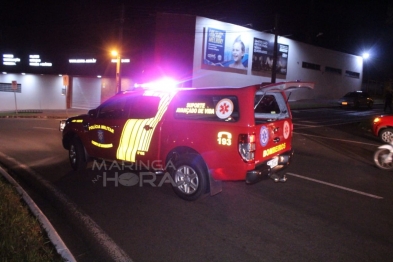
215	185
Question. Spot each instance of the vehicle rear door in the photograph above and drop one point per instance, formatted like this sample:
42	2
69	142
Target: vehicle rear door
273	121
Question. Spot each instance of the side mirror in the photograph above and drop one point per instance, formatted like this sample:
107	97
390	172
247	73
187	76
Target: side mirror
62	125
92	113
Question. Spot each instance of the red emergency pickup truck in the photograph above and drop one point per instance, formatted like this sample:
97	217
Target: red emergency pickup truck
201	136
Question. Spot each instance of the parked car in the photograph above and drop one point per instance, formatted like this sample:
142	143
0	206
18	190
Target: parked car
356	99
199	136
383	128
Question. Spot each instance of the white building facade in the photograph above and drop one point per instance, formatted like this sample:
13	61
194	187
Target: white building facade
201	52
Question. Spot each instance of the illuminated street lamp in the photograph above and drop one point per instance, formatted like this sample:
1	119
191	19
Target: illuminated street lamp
118	78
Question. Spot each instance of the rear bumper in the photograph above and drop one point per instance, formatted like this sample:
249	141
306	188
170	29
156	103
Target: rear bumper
263	170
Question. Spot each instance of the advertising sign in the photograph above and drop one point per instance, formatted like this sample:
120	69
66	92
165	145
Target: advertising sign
215	46
262	58
225	51
14	85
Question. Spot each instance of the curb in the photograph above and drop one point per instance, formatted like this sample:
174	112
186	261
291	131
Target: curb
92	233
54	237
35	116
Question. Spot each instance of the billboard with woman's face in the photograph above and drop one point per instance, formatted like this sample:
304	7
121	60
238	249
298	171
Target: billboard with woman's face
228	50
225	50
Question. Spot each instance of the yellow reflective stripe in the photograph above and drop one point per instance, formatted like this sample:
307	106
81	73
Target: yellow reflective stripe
101	145
135	137
128	139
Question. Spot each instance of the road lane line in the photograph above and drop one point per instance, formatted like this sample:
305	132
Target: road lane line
337	139
49	128
323	125
336	186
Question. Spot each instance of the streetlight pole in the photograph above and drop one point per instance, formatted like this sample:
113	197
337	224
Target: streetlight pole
366	81
275	49
118	70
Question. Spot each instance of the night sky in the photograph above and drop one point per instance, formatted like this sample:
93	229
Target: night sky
62	28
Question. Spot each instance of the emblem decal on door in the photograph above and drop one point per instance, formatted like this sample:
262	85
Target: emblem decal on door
264	136
224	108
286	130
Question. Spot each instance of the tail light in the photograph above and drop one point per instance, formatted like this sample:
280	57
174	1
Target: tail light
247	147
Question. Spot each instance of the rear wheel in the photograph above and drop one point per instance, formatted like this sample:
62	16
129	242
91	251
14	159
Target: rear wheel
386	135
190	177
76	155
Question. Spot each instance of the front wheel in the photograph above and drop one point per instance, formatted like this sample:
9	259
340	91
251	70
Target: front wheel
76	155
383	159
190	177
386	135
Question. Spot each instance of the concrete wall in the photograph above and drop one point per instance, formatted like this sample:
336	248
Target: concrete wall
327	85
38	92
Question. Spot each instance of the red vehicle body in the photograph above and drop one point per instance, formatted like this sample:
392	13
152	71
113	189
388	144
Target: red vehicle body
199	135
383	128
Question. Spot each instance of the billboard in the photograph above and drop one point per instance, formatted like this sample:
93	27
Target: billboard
262	58
225	50
229	50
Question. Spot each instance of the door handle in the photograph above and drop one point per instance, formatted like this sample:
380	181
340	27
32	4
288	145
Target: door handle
276	140
85	126
147	127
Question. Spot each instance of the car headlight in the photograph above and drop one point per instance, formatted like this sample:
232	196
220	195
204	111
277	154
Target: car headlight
376	120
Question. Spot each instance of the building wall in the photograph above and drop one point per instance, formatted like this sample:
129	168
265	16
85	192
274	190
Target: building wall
86	92
183	46
40	92
37	92
329	85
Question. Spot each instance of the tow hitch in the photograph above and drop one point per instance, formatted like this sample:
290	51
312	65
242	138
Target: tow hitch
278	178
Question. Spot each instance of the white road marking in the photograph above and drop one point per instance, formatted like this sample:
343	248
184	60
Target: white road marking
324	125
336	186
337	139
49	128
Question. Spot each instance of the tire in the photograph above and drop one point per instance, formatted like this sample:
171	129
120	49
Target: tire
386	135
190	175
76	154
380	159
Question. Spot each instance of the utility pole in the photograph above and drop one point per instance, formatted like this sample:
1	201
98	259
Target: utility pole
120	51
275	50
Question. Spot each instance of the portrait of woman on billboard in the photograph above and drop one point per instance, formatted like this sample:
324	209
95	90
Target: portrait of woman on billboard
225	52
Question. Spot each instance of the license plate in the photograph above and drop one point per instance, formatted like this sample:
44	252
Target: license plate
272	163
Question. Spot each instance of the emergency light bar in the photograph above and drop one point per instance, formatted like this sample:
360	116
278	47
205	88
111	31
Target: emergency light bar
164	83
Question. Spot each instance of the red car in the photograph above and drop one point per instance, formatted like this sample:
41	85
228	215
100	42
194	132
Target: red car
196	137
383	128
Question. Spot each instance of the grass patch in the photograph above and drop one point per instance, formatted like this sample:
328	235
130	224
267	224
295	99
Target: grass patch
21	236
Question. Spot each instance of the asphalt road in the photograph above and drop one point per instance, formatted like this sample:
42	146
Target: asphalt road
335	206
